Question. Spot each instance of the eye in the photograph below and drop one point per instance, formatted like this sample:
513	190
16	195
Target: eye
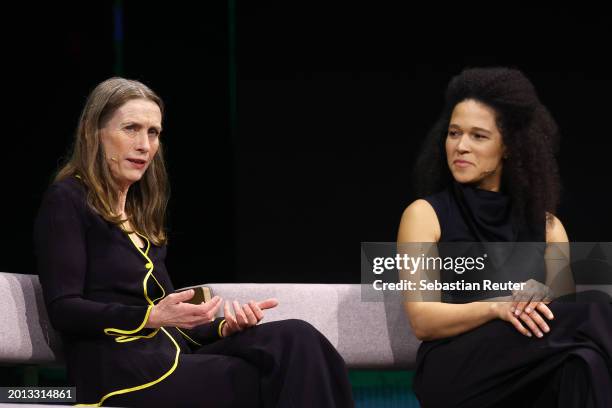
480	137
153	132
131	128
453	133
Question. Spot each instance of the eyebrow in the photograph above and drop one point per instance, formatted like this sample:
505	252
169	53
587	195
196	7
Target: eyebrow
132	122
474	128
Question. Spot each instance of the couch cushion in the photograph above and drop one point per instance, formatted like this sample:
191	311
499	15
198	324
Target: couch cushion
26	335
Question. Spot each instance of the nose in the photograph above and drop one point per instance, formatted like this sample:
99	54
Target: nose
463	144
142	143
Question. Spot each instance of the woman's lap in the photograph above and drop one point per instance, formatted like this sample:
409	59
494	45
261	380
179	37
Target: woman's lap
286	362
495	360
216	374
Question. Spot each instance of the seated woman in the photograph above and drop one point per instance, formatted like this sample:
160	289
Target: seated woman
129	340
487	173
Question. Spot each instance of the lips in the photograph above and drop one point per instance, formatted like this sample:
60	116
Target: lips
461	164
137	161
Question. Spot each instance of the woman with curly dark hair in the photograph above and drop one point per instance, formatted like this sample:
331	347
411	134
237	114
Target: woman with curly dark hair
487	173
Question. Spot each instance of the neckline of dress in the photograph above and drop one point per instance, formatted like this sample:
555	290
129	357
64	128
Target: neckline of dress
482	190
144	250
486	213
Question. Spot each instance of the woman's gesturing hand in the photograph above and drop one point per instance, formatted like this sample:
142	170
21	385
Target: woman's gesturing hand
533	320
172	311
246	316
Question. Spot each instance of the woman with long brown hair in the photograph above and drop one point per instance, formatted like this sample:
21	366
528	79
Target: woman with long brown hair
128	339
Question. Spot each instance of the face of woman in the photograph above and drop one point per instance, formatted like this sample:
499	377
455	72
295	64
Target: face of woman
474	146
130	139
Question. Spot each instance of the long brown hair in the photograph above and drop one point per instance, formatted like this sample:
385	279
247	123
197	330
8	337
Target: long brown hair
147	199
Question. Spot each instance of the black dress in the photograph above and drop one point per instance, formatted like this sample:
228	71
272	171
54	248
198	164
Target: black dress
494	365
99	288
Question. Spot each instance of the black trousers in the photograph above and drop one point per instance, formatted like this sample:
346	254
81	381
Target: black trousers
286	363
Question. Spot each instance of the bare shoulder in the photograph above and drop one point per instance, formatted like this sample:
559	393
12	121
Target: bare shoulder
555	232
419	223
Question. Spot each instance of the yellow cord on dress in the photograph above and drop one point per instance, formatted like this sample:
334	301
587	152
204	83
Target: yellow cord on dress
220	328
140	387
123	339
189	338
150	266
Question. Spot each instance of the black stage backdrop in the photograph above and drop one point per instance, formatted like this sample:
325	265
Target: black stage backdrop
291	127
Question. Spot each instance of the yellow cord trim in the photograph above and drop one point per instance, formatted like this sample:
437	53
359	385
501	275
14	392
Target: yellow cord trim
150	266
160	286
123	339
220	328
140	387
190	339
119	331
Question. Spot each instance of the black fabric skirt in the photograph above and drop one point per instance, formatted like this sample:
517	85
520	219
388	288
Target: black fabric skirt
496	366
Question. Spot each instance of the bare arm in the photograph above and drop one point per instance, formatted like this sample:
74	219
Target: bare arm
434	320
557	256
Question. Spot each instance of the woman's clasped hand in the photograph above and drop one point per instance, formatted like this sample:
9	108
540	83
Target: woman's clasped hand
527	308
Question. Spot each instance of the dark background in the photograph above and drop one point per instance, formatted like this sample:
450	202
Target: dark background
291	127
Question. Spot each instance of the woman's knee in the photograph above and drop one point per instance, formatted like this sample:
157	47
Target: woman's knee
590	362
297	328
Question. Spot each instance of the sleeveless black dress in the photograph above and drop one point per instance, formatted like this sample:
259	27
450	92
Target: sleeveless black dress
494	365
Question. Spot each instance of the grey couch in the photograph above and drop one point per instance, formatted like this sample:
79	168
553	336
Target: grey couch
372	335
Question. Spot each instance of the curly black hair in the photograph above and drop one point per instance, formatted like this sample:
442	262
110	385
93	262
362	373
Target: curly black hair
530	175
